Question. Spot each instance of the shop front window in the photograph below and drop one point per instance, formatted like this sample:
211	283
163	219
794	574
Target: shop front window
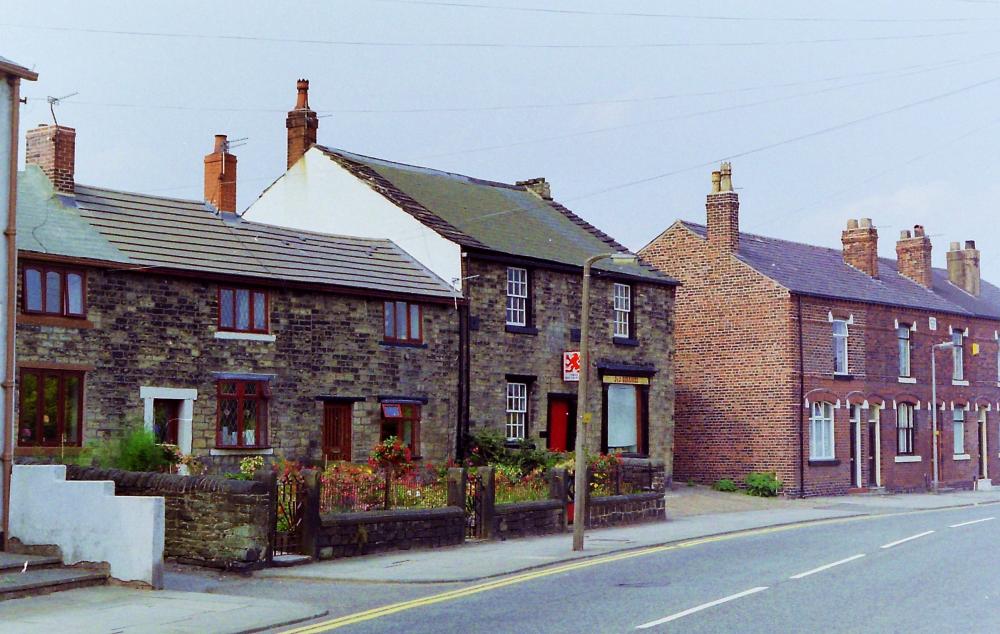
625	421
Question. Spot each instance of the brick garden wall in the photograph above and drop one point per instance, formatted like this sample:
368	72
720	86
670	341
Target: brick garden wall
147	330
618	510
210	521
556	314
354	534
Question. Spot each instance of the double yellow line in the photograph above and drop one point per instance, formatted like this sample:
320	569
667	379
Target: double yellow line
375	613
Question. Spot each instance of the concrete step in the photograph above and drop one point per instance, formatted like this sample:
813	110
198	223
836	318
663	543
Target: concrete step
14	585
15	562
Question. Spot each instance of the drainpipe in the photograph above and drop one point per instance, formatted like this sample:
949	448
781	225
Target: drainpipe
11	246
801	405
462	414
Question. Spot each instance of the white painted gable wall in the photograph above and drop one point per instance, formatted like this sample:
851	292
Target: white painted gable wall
317	194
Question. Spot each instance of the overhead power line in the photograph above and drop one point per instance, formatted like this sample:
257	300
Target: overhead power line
496	45
679	16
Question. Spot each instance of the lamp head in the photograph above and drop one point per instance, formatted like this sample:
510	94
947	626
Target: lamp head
623	258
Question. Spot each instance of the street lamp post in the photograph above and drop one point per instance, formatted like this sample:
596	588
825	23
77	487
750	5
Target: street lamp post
583	415
947	345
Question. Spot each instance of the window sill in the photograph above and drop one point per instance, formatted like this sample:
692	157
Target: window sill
961	456
837	376
401	344
624	341
824	462
907	379
960	383
23	451
521	330
909	458
244	336
241	451
55	320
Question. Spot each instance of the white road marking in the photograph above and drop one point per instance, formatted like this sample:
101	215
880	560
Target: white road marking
906	539
703	606
985	519
826	567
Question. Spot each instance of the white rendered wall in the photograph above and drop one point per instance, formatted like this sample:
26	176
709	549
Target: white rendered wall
317	194
7	163
88	522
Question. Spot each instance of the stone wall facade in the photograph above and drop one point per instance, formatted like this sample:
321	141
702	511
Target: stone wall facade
618	510
524	519
210	520
534	354
150	331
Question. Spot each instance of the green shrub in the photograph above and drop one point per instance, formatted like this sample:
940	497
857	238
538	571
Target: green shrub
763	484
726	485
138	451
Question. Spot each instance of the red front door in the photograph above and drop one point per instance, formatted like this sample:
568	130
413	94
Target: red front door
337	431
562	415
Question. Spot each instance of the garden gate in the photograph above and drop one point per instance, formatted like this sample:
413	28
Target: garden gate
290	503
475	503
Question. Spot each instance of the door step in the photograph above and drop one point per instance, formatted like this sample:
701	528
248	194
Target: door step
42	575
984	484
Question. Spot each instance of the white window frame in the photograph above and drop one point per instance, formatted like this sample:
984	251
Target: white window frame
840	342
958	356
905	351
905	414
958	430
517	296
821	431
623	310
517	410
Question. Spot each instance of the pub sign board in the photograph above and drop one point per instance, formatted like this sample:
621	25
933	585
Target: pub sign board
571	366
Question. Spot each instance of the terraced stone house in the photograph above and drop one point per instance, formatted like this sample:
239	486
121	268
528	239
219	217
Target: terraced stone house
516	255
224	336
815	363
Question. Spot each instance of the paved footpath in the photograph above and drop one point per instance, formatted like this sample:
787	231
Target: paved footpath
471	562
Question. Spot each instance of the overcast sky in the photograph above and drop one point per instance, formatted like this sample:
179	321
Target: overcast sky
863	109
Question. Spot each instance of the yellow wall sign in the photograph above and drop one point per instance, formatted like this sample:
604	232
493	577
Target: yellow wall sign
627	380
975	349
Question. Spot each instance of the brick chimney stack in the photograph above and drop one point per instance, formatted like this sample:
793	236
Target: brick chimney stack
860	241
220	176
963	266
302	124
538	186
53	148
913	255
723	210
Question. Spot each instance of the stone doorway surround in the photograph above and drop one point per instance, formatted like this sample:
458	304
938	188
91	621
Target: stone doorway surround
187	397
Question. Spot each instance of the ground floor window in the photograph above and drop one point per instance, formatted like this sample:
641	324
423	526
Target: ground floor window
958	425
402	420
821	432
626	406
166	420
50	411
904	429
517	410
242	418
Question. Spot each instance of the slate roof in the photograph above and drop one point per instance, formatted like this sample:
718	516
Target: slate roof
186	235
821	271
489	215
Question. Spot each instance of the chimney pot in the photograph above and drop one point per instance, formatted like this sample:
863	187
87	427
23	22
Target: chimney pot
726	183
852	224
865	223
53	148
302	124
955	246
716	180
970	244
918	230
538	186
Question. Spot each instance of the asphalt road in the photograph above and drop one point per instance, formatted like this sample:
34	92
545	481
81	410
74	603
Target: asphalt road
920	572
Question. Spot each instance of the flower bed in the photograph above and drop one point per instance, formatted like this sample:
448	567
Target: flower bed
350	488
511	486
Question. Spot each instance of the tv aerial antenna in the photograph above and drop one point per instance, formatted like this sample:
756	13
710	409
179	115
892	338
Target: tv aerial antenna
55	101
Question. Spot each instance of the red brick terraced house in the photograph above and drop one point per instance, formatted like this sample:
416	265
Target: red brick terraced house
224	336
815	362
517	255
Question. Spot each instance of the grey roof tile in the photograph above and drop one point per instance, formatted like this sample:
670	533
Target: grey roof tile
821	271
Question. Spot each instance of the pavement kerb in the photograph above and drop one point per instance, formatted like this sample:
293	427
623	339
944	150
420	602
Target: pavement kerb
274	626
694	540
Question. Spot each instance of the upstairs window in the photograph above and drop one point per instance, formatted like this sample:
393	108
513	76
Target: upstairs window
903	337
517	410
904	429
840	346
243	310
403	322
54	291
957	356
242	417
517	296
821	432
623	310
